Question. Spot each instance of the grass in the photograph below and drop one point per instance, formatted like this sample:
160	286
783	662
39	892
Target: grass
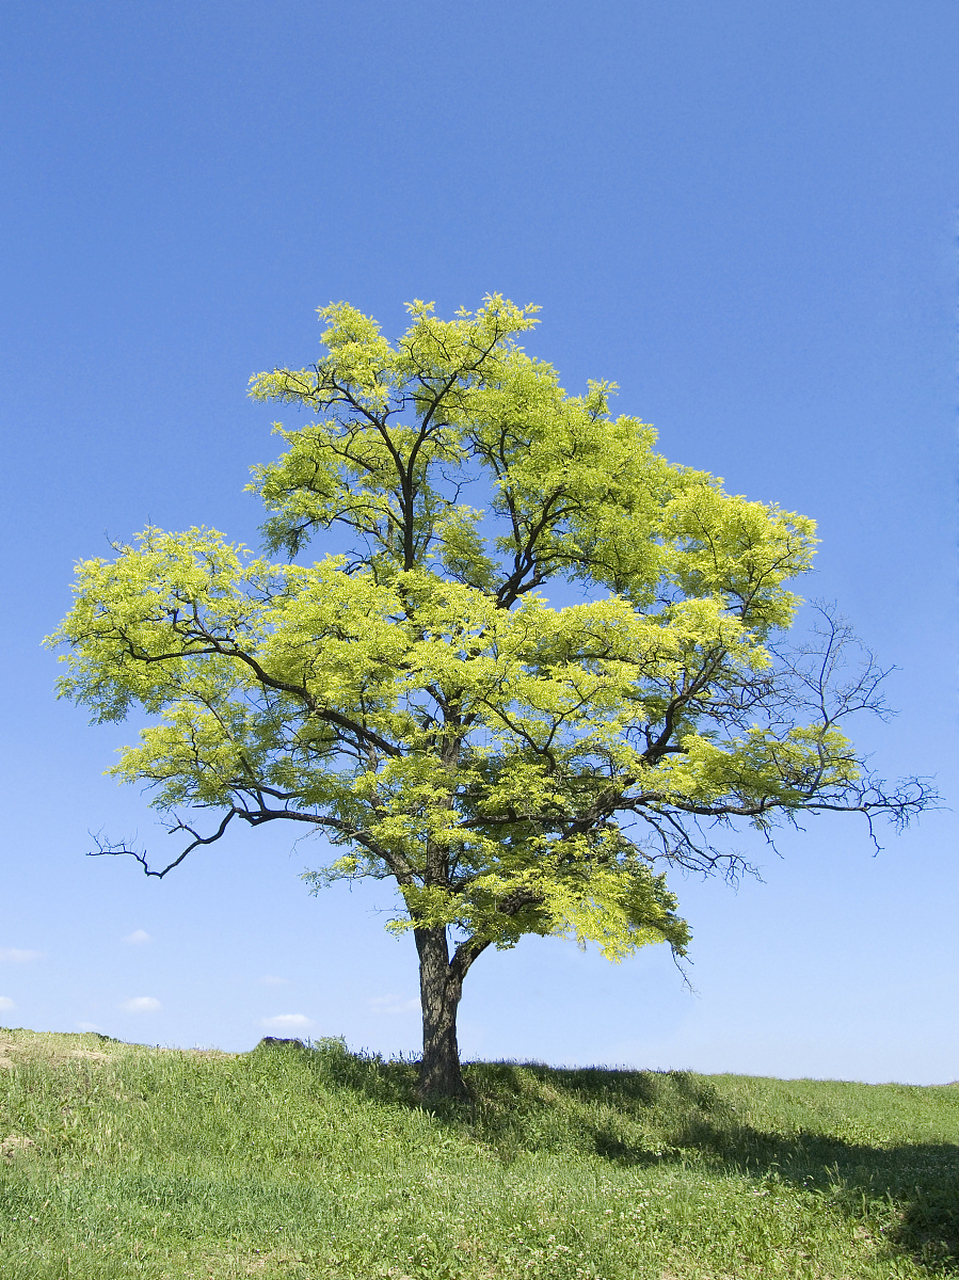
121	1160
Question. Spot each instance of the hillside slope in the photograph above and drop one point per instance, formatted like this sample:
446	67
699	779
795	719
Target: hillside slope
122	1160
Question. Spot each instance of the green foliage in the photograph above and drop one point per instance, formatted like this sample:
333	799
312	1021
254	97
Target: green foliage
314	1163
516	766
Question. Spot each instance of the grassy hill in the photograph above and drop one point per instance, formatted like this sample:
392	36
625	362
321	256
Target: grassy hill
121	1160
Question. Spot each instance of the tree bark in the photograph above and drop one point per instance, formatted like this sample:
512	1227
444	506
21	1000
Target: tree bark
441	985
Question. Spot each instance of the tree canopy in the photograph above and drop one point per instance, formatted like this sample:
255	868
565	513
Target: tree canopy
516	765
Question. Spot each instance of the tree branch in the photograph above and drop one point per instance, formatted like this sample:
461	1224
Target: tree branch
345	831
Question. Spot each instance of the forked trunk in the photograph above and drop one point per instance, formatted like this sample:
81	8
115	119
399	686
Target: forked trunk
441	985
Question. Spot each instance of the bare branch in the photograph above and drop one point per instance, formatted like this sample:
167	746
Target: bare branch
115	851
343	832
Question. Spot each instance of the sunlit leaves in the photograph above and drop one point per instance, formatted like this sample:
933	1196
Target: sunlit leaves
515	766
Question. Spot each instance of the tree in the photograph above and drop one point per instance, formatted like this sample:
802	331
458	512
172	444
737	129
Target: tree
514	766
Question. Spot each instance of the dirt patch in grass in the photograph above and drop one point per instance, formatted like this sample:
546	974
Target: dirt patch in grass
10	1146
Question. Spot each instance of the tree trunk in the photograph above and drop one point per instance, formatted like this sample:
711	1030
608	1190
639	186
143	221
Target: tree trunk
441	985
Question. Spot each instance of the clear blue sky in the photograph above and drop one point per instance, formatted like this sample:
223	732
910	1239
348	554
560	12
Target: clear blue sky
742	212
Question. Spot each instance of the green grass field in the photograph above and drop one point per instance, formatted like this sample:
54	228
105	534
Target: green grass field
121	1160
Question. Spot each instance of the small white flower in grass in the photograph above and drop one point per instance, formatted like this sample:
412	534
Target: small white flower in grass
287	1022
6	1003
141	1004
137	937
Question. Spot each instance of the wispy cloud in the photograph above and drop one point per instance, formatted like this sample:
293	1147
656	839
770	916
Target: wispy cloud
138	936
287	1022
15	956
89	1026
271	980
6	1003
393	1004
141	1004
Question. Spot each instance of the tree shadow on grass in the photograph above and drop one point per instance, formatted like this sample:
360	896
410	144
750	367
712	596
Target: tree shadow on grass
654	1118
644	1117
914	1185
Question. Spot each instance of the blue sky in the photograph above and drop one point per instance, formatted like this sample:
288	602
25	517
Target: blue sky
743	213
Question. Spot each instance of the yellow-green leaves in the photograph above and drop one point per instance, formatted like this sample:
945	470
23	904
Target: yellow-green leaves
515	766
737	551
477	753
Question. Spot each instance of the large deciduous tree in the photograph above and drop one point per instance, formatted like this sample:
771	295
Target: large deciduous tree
514	766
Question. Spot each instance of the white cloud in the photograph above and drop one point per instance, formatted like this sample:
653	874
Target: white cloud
287	1022
138	936
270	980
19	957
141	1004
6	1003
89	1026
393	1004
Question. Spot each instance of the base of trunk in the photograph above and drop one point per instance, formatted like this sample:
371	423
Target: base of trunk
441	1082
